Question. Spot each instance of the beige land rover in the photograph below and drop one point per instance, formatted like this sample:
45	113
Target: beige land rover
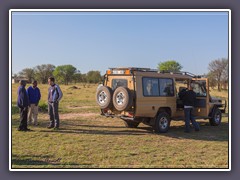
143	95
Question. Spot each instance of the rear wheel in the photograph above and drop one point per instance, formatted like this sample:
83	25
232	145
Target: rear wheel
122	99
104	97
131	124
162	122
216	118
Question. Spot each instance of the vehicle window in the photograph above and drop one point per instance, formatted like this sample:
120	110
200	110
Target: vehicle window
119	82
166	87
150	87
200	88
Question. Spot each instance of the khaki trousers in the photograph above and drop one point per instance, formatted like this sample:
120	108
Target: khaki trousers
32	114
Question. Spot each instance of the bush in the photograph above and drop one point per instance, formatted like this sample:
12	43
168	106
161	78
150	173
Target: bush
15	109
43	107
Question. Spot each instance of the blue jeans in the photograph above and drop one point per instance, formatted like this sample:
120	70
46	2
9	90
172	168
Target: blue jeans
189	117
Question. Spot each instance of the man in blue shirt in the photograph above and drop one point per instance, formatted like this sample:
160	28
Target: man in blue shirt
22	103
54	96
34	96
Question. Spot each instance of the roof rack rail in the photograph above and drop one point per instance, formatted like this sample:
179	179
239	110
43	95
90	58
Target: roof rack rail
183	73
156	70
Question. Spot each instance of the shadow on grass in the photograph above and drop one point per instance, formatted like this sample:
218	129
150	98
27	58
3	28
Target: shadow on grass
207	132
31	160
97	132
39	160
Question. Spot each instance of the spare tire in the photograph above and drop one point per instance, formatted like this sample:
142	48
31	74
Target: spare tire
122	99
104	97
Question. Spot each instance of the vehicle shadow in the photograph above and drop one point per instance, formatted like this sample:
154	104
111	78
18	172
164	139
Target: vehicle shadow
207	132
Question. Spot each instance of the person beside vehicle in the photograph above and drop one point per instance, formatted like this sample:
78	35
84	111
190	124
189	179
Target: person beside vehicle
34	96
54	96
23	103
189	98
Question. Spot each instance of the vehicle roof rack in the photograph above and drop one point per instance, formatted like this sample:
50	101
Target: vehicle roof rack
183	73
156	70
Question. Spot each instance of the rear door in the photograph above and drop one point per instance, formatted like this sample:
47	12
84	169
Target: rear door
201	88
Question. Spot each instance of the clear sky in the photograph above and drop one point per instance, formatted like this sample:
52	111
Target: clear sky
99	40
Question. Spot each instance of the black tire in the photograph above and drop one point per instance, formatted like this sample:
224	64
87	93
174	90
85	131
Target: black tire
104	97
162	122
131	124
122	99
216	118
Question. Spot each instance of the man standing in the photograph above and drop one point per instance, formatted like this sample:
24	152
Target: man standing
54	96
34	96
189	99
23	103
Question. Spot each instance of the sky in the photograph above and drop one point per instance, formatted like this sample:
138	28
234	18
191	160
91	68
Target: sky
99	40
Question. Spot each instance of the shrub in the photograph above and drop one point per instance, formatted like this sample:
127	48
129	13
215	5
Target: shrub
15	109
43	107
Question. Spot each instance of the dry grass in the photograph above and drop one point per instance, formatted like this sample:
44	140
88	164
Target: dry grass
88	140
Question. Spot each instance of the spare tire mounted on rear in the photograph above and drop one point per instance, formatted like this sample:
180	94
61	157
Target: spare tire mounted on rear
122	99
104	97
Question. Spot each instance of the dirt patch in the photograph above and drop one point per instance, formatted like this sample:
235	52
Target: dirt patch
81	107
75	115
71	115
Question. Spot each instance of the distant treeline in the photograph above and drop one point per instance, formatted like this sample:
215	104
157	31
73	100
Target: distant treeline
63	74
218	70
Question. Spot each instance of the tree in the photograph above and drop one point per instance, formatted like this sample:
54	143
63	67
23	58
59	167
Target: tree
84	78
212	80
77	77
218	72
43	72
170	65
27	73
64	73
94	77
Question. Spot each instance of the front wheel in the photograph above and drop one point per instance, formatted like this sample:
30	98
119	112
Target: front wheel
162	122
216	118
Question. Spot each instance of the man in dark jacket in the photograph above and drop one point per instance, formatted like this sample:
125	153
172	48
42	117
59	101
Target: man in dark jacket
34	96
189	99
23	103
54	96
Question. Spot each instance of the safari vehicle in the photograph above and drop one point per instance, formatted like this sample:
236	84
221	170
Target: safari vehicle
143	95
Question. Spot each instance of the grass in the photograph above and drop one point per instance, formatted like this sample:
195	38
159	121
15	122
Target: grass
88	140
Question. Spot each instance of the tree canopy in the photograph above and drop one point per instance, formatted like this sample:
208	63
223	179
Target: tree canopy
64	73
94	76
170	65
218	72
28	73
43	72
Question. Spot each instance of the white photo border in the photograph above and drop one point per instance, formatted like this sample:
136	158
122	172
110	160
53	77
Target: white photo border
117	10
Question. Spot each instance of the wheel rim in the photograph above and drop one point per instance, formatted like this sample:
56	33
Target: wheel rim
217	118
102	98
120	98
163	123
